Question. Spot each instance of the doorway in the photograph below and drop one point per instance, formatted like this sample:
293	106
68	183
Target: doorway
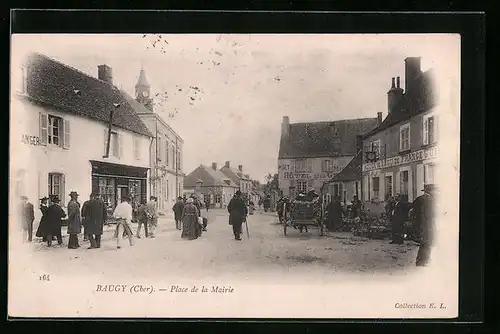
122	192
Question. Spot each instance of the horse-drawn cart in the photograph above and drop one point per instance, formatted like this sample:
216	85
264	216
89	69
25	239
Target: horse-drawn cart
302	214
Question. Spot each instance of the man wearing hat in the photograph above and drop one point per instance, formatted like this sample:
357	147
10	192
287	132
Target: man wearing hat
74	221
237	214
94	214
177	209
423	209
42	225
27	217
399	216
55	214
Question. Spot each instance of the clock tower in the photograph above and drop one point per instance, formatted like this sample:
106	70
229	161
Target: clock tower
143	91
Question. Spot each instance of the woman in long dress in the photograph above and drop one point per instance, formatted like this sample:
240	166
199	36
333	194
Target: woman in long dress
189	219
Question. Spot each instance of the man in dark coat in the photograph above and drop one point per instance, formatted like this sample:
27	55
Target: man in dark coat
237	213
27	217
399	217
177	209
95	215
142	220
334	209
423	208
74	221
55	214
355	207
42	225
279	209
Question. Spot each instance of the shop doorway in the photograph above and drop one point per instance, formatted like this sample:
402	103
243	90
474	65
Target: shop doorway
122	192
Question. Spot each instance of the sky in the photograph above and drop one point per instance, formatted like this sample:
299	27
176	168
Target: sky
245	83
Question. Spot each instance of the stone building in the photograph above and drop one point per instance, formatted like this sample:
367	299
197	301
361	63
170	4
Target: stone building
243	181
347	183
60	122
312	153
166	180
400	154
209	183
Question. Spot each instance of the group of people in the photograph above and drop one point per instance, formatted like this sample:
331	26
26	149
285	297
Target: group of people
188	218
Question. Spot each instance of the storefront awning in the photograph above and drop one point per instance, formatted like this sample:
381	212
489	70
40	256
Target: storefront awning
117	170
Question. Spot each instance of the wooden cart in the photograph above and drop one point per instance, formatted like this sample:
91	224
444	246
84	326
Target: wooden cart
302	215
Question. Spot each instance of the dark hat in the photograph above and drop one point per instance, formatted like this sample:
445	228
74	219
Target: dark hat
73	193
54	198
237	192
43	199
125	198
429	187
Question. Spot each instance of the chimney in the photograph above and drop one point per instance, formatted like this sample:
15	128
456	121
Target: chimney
214	165
227	164
105	73
240	168
379	117
394	95
398	83
285	126
412	71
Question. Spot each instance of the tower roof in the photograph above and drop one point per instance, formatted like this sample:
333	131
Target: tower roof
142	81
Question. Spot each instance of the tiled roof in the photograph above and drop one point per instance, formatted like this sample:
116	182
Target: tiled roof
321	139
50	82
418	99
352	171
209	176
234	174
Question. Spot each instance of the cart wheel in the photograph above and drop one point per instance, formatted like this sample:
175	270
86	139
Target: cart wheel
284	227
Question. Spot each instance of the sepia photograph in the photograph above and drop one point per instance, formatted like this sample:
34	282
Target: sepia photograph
234	175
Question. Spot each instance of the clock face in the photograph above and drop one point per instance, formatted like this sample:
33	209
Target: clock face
145	93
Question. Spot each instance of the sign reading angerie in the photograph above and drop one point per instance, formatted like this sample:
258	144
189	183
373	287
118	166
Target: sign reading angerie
429	153
30	140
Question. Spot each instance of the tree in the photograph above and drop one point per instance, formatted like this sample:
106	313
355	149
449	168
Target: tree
271	183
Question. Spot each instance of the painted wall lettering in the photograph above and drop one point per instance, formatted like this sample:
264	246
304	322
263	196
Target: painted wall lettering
419	155
30	140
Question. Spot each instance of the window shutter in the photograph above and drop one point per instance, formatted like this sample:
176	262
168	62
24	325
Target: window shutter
410	186
120	145
44	128
105	140
397	183
381	187
420	179
62	190
158	148
425	131
66	136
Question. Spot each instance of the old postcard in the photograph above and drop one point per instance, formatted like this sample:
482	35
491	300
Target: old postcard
234	176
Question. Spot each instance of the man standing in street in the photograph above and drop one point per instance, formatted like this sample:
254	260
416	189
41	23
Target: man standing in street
142	219
27	218
334	209
74	221
399	216
152	213
237	214
279	209
423	208
207	203
55	215
177	209
94	214
123	214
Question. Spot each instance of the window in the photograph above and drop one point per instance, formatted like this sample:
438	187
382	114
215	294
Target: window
107	191
404	137
20	79
137	148
327	166
336	189
404	177
429	173
300	165
429	130
217	198
167	162
388	185
376	186
173	156
179	165
302	186
115	149
54	130
56	186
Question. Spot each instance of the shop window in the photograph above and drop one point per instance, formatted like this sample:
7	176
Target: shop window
302	186
107	192
376	187
429	129
56	186
404	177
404	137
429	170
300	165
388	186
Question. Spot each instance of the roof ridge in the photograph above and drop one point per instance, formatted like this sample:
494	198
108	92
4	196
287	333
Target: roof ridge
340	120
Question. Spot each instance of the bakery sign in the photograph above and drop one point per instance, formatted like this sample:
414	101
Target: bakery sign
30	140
424	154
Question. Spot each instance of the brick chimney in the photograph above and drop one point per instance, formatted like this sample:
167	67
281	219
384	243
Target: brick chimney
105	73
379	117
227	164
214	165
394	95
240	168
285	126
412	71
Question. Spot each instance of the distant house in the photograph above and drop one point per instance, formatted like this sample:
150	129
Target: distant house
210	184
312	153
347	183
237	176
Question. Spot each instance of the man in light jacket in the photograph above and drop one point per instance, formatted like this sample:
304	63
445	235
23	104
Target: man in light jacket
123	214
152	214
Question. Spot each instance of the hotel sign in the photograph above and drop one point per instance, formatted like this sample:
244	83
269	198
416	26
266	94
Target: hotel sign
428	153
309	176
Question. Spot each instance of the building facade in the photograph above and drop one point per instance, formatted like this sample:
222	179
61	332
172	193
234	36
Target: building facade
210	184
400	155
312	153
59	136
347	183
243	181
166	179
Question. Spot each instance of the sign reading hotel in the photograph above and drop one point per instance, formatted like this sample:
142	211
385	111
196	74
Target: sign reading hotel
429	153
